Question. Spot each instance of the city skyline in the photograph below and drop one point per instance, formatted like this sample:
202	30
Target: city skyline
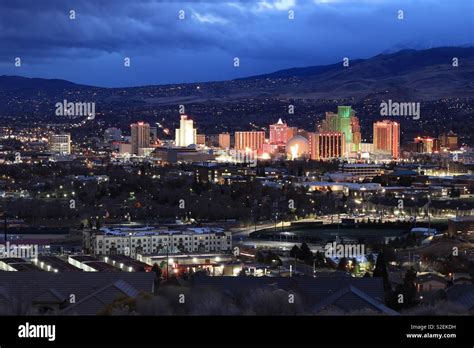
298	182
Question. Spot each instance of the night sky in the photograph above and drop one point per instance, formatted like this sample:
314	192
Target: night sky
164	49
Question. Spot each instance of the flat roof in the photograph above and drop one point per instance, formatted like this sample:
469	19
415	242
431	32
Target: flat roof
467	218
151	231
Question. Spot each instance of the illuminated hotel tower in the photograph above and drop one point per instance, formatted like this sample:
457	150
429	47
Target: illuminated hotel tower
280	133
185	134
140	136
327	145
387	138
345	122
250	140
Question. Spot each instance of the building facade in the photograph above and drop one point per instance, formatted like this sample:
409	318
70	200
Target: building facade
345	122
328	145
224	141
140	136
147	240
387	138
249	140
186	134
60	143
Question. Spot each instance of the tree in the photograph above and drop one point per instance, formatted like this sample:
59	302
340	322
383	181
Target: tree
408	292
158	272
295	251
370	261
381	271
306	255
319	259
355	268
342	265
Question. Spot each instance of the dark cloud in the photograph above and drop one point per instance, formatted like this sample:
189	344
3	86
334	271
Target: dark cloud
167	49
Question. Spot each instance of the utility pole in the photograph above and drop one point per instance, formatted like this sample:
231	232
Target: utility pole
5	221
5	226
167	262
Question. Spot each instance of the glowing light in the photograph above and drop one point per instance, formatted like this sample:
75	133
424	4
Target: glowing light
294	151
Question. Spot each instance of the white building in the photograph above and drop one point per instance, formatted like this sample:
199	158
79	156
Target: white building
185	135
148	240
60	143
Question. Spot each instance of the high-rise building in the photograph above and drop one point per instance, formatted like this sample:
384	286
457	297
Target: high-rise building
449	141
280	133
327	145
426	145
345	122
252	140
186	135
60	143
387	138
140	136
224	140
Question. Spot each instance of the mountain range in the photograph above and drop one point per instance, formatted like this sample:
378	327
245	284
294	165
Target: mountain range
413	75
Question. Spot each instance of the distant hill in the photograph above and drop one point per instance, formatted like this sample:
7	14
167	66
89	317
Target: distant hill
414	75
14	83
417	74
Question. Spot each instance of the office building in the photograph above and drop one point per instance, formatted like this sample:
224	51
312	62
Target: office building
140	136
60	143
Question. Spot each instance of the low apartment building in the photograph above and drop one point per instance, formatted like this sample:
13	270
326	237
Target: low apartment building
148	240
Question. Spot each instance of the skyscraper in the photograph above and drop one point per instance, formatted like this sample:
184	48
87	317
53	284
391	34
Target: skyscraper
345	122
387	138
140	136
185	135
